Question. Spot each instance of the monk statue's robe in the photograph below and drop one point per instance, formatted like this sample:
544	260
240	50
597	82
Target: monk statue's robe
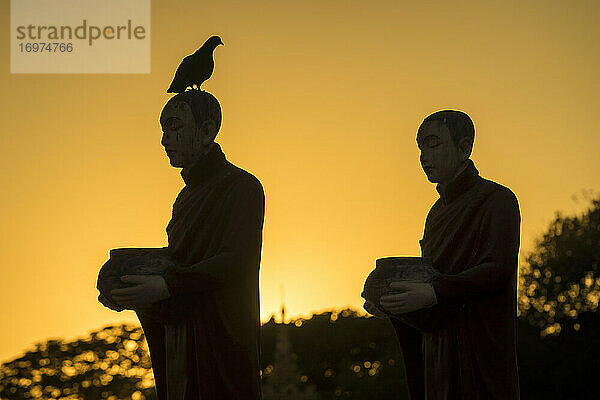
204	340
465	346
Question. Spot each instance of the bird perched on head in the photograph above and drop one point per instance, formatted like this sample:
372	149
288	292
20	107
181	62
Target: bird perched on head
195	68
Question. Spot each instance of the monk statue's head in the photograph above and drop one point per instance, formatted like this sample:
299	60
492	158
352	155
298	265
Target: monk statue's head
190	122
445	139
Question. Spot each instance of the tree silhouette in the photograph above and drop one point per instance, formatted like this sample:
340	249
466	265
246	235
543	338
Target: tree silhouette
111	363
560	279
559	324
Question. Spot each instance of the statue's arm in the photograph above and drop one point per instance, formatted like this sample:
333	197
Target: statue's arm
239	256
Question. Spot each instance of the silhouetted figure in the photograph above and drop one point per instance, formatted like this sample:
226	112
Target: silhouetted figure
201	317
458	333
195	68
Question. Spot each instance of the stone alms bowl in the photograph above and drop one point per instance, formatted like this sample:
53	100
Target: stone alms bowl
394	269
129	261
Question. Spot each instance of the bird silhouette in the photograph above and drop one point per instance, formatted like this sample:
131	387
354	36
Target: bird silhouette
195	68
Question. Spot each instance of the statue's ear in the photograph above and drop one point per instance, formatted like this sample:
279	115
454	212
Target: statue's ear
465	145
209	131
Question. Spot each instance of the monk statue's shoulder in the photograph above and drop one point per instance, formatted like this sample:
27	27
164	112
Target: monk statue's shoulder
497	189
500	196
245	181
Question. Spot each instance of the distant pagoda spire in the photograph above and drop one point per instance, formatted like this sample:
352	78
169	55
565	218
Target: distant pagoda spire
284	380
282	298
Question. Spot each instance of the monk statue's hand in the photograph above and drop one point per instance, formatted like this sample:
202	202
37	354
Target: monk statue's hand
148	289
373	310
412	296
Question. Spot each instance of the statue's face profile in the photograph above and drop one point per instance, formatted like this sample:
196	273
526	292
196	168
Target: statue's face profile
180	137
440	156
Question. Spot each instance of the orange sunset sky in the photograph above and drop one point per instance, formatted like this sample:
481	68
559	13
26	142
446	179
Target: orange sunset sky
321	101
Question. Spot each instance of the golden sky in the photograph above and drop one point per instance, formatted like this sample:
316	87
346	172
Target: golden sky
321	101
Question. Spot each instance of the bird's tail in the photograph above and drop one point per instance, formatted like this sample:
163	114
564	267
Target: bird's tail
175	88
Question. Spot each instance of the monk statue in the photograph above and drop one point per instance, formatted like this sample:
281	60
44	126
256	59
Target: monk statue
199	309
458	331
